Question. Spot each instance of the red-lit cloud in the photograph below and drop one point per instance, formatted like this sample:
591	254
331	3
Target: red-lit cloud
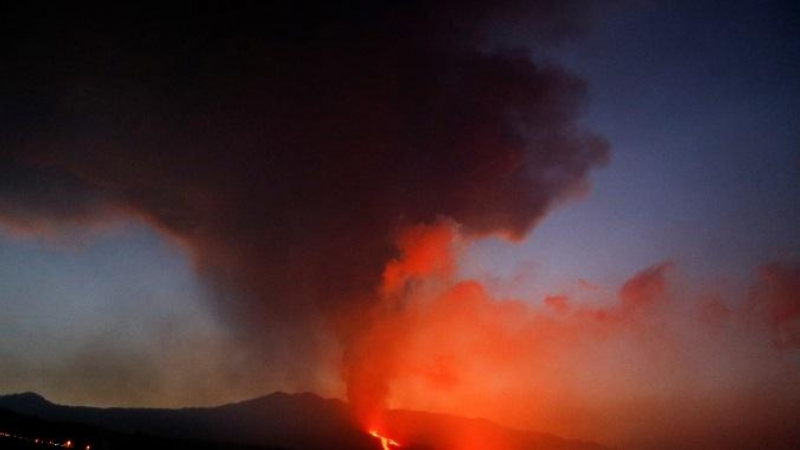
647	367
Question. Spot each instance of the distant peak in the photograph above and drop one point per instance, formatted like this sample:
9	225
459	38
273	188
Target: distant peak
286	395
27	401
308	395
26	396
284	398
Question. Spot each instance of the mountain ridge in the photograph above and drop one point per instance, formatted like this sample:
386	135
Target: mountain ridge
295	421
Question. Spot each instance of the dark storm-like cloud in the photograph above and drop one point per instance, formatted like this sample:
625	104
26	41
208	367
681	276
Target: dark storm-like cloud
285	145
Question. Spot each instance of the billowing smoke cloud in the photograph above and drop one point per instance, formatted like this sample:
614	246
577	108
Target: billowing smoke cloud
286	146
323	167
646	367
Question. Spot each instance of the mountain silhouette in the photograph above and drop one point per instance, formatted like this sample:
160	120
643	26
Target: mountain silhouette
293	421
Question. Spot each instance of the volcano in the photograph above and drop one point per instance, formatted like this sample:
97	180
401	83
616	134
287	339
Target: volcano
295	421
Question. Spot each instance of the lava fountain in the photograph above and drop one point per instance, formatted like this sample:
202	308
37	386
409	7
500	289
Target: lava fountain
385	441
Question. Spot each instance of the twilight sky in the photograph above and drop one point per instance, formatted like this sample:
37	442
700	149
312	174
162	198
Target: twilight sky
205	205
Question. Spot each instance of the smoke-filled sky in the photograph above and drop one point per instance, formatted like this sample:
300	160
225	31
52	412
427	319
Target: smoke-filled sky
574	217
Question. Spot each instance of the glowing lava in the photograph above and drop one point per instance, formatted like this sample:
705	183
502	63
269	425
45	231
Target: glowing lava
385	442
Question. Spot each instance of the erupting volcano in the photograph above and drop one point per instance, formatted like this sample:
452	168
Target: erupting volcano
409	209
385	441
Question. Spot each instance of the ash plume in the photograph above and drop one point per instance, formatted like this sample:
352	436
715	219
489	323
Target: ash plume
285	146
324	167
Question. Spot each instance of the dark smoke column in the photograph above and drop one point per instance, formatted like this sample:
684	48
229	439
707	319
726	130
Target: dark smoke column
287	145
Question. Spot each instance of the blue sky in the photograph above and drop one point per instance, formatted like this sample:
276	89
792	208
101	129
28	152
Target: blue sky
701	104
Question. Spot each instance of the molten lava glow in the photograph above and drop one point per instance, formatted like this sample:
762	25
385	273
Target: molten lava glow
385	442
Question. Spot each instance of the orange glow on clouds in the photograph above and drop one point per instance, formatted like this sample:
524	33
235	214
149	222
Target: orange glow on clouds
611	370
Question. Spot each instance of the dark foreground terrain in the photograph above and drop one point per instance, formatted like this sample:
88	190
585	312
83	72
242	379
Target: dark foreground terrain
32	433
275	422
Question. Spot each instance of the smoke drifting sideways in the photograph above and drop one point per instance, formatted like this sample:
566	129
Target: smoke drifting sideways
322	167
285	145
645	367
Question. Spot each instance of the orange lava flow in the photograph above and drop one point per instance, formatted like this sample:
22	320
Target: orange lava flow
385	442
